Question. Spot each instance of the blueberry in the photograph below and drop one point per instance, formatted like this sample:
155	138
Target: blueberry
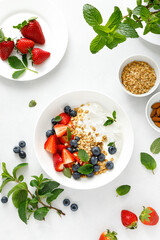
73	113
109	165
101	157
96	168
22	154
67	109
112	150
53	121
49	133
76	175
77	138
90	174
75	167
74	207
66	202
70	150
75	150
93	160
4	199
96	151
16	149
73	143
22	144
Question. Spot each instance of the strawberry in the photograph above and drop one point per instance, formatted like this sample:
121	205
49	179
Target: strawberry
60	129
6	46
65	118
67	157
129	219
76	157
31	29
51	144
60	148
108	235
38	55
70	124
23	44
149	216
64	140
57	162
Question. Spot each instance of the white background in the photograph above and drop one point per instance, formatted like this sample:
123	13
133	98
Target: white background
98	209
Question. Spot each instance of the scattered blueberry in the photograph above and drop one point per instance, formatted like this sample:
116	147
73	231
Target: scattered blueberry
67	109
75	167
76	175
77	138
70	150
96	151
74	207
93	160
73	113
22	154
16	149
66	202
96	168
22	144
73	143
90	174
49	133
4	199
112	150
109	165
101	157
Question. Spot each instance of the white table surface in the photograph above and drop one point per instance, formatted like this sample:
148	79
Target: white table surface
98	209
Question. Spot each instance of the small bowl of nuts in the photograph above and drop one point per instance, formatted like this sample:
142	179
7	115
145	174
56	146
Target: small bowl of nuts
139	76
153	111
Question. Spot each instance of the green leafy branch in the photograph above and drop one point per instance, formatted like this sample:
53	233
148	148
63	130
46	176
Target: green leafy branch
29	203
119	28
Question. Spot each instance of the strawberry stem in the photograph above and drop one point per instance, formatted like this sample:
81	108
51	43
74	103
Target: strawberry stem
31	70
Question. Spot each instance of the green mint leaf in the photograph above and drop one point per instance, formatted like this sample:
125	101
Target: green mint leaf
92	15
114	114
47	187
58	119
36	178
97	44
32	103
129	12
155	28
123	190
155	146
102	30
33	183
148	161
15	62
139	2
40	213
112	144
18	197
20	186
133	23
18	167
109	118
5	182
137	10
117	38
68	134
4	169
22	209
55	193
136	18
127	30
1	36
33	202
24	59
144	13
67	172
114	19
83	155
17	74
108	122
20	178
147	29
86	169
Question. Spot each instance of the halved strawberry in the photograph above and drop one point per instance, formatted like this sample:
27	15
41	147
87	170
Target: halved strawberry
58	163
51	144
65	141
60	147
70	124
67	157
75	154
65	118
60	129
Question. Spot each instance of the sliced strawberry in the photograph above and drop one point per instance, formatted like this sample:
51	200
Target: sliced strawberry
67	157
57	140
58	163
75	154
51	144
60	129
65	118
70	124
60	148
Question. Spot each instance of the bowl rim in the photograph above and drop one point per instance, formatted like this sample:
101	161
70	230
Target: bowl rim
131	142
157	79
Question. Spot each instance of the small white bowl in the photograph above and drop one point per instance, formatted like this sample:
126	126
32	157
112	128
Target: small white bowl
143	58
75	99
155	98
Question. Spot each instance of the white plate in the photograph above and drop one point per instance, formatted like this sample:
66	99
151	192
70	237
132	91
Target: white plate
53	26
75	99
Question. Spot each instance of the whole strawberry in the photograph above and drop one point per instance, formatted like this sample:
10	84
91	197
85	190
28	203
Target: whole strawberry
38	55
23	44
129	219
31	29
108	235
149	216
6	46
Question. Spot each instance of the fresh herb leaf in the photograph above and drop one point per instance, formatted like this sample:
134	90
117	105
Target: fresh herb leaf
97	44
4	169
148	161
33	183
47	187
22	209
114	19
18	167
1	36
144	13
123	190
20	186
83	155
5	182
86	169
67	172
114	114
155	146
54	194
127	30
139	2
32	103
15	62
17	74
110	119
108	122
92	15
20	178
68	134
40	213
18	197
129	12
24	59
112	144
58	119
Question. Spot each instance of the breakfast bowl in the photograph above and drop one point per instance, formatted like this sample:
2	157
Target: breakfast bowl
149	110
152	66
76	99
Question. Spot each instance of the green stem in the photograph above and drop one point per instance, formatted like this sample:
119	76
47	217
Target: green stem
31	70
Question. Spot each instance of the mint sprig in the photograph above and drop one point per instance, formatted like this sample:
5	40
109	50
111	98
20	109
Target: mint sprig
111	119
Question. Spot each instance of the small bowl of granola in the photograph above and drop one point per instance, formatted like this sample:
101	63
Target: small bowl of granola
139	76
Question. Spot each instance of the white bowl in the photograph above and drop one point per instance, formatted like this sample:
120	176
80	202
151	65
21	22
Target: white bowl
75	99
143	58
155	98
